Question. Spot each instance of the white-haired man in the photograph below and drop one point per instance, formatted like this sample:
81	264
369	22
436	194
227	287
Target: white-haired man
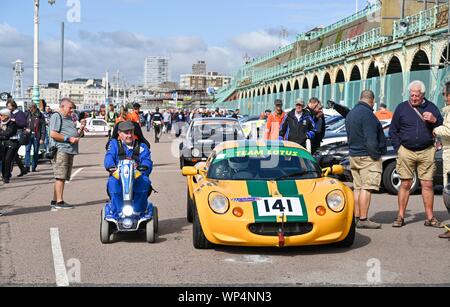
411	132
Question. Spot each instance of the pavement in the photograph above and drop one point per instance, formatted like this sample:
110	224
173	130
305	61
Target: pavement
39	246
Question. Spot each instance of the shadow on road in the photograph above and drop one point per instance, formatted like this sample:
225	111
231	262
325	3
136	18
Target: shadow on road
134	237
163	164
39	209
171	226
388	217
360	241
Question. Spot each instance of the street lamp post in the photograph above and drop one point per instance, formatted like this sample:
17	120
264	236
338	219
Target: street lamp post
36	92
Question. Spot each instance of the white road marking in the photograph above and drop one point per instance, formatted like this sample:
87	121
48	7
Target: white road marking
62	280
251	259
74	174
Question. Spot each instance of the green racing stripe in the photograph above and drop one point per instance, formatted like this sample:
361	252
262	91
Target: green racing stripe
288	188
259	189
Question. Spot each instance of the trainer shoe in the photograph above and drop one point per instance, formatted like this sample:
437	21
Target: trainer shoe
367	224
63	205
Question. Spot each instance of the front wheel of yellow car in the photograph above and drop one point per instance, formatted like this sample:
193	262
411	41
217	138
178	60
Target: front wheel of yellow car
190	206
350	238
199	238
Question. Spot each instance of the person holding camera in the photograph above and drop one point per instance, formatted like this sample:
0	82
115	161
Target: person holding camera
64	138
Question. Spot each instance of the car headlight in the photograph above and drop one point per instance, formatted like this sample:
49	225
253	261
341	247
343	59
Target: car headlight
336	201
196	152
127	211
218	203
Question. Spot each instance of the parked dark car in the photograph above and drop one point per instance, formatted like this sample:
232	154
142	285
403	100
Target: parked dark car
330	120
338	153
391	180
204	134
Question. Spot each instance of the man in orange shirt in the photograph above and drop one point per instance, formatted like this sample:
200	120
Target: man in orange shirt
383	113
274	122
134	115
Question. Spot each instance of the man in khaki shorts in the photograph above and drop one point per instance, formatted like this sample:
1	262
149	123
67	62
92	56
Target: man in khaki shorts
65	136
411	132
367	144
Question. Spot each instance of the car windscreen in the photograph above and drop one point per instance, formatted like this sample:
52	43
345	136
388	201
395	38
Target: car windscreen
217	132
337	125
98	123
264	164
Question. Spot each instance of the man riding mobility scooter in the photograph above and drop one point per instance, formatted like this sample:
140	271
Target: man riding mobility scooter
129	164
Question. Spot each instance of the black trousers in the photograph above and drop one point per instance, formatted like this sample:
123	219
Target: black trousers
8	154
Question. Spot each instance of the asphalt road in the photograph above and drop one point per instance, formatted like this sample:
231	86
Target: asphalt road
30	235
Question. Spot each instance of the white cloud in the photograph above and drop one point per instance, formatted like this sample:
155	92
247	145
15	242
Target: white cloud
91	54
258	42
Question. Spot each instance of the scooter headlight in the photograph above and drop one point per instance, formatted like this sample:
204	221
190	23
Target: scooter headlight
218	203
127	211
336	201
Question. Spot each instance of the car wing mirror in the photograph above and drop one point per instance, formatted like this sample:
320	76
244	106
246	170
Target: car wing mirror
190	171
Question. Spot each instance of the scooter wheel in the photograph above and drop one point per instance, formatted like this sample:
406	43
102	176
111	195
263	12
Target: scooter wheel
155	219
150	234
105	229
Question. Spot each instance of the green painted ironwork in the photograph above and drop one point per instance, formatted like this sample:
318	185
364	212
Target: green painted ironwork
417	24
391	89
369	10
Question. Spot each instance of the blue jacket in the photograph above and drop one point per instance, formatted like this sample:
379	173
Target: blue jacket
409	130
295	130
112	156
365	133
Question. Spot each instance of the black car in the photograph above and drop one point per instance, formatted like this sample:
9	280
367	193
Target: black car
338	153
204	134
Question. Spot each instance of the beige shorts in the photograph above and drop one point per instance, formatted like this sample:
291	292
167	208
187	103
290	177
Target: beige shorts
423	160
62	166
366	173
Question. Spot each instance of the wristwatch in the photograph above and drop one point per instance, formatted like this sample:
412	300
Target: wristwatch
66	139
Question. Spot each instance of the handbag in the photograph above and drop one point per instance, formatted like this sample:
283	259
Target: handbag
52	150
24	137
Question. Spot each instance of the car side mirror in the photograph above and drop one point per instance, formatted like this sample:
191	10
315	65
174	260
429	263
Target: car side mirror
333	170
337	170
190	171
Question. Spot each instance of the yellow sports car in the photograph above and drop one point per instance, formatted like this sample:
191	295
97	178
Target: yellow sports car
256	193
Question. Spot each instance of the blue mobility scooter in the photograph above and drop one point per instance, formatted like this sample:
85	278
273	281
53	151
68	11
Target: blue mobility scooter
132	212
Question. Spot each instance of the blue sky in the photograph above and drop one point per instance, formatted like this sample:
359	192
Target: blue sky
118	34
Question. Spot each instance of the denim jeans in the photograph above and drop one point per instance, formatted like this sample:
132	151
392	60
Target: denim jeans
35	142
